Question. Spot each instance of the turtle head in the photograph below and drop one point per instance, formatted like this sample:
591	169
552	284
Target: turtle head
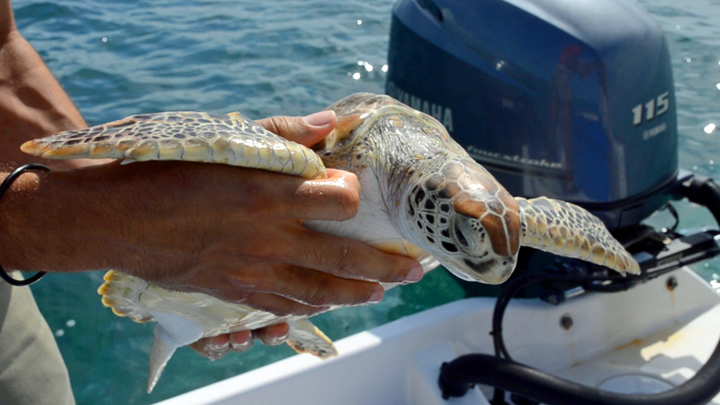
467	221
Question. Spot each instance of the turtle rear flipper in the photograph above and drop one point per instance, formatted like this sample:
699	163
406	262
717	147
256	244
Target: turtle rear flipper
568	230
304	337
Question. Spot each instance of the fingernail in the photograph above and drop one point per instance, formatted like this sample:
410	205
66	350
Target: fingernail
277	340
216	351
283	338
242	346
320	119
416	274
378	295
217	342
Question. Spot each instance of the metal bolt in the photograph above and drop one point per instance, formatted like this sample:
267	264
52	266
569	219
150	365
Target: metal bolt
566	322
672	283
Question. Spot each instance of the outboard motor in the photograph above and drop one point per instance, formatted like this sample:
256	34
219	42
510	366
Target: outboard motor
571	99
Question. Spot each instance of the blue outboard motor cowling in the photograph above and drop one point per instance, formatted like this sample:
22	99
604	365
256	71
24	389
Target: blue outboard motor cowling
571	99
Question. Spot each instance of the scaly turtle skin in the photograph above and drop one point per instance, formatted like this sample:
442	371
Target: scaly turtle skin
422	196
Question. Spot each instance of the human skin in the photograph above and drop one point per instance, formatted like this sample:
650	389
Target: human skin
230	232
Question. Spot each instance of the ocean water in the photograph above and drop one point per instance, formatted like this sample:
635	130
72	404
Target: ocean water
293	57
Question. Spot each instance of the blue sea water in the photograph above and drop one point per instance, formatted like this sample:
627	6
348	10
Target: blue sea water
116	58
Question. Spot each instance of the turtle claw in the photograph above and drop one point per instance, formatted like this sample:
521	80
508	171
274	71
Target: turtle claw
31	147
68	152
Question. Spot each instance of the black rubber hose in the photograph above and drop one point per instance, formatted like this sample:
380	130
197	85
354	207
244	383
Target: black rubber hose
459	375
704	191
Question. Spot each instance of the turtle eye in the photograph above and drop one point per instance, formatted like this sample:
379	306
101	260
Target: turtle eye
460	236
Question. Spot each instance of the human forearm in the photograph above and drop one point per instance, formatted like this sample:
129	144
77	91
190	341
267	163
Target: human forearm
32	102
49	221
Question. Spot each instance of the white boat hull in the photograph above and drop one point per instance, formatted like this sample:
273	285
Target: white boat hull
642	340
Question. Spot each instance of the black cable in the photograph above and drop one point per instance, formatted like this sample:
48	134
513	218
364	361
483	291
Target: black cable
512	288
515	285
675	215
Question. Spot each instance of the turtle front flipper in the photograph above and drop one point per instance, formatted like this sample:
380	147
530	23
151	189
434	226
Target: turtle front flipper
191	136
304	337
568	230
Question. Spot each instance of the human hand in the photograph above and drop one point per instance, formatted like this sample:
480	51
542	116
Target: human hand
297	130
260	254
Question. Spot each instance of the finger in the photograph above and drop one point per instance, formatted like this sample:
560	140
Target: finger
213	348
281	306
348	258
241	341
216	347
273	335
314	288
307	130
274	304
199	347
274	195
336	198
305	286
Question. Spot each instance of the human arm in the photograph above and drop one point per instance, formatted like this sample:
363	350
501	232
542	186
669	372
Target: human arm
32	103
145	219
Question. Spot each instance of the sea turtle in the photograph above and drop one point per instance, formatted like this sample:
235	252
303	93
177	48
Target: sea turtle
422	196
